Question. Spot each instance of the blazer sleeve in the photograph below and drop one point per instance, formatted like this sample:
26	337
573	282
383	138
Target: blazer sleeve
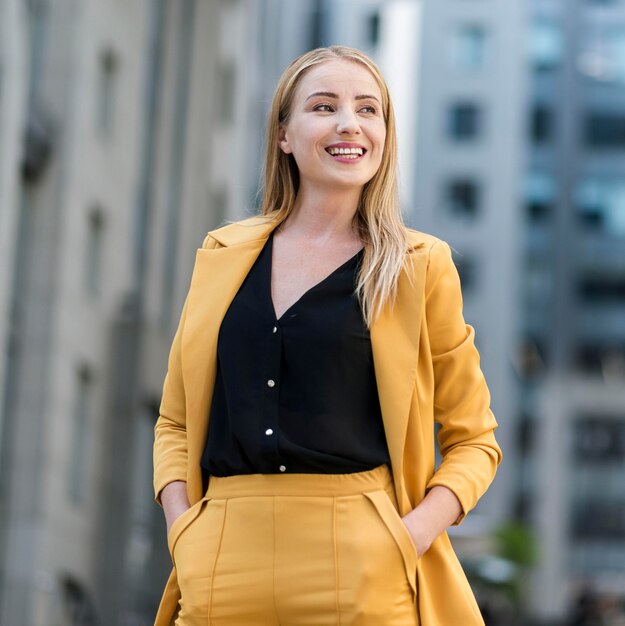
470	453
170	434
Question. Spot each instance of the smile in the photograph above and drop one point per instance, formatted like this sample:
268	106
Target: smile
346	155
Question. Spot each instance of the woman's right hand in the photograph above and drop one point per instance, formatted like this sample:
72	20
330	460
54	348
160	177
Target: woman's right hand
175	501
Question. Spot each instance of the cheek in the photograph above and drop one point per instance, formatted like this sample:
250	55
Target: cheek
380	140
309	141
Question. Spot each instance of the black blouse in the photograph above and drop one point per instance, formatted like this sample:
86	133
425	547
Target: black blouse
296	394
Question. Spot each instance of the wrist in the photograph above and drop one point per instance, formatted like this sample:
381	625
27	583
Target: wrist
175	500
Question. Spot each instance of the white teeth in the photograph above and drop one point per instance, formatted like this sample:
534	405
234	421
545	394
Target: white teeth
346	151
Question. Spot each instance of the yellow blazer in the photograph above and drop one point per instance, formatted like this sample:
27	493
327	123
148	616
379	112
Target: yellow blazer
427	369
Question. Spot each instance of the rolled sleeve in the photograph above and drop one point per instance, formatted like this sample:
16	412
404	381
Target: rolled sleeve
469	450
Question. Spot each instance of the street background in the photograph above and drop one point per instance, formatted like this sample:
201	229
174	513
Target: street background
128	129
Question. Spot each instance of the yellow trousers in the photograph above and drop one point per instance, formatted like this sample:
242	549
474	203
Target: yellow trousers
296	550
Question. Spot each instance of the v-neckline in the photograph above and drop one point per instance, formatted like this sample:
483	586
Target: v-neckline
315	286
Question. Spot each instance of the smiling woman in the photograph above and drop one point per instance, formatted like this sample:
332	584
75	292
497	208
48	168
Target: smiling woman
320	341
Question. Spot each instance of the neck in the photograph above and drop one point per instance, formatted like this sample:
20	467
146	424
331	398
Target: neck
324	215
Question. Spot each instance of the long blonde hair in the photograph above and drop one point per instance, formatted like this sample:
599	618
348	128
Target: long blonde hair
378	219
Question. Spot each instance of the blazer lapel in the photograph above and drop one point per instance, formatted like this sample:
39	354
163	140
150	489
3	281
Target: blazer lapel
395	344
217	276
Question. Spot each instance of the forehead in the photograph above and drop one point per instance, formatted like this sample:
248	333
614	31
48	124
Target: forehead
345	78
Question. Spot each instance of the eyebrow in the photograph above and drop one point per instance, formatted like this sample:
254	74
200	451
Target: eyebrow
329	94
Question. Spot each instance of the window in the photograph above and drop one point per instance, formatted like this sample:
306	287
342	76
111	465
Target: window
537	280
604	130
546	45
463	198
602	289
598	518
603	57
541	124
373	28
78	607
600	203
531	357
467	272
93	254
540	195
78	453
604	359
464	121
597	493
468	47
106	92
526	434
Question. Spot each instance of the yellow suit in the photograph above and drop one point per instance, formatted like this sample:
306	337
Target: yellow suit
427	369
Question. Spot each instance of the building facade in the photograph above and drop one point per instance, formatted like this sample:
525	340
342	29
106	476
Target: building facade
574	301
124	131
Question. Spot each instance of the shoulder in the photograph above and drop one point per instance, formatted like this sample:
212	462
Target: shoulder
434	247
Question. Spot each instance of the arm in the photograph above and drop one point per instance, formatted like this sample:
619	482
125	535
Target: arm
174	500
461	406
170	434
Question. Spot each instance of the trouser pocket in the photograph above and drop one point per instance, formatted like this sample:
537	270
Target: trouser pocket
182	522
396	527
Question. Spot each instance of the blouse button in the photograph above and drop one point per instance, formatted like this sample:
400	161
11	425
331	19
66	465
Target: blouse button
275	329
282	468
271	383
269	431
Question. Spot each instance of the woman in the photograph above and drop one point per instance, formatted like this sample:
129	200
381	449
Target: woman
294	450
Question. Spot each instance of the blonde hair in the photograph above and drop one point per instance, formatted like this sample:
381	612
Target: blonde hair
378	219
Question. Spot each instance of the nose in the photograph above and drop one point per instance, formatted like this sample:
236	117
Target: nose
348	122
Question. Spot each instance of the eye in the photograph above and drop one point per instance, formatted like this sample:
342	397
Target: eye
316	108
372	108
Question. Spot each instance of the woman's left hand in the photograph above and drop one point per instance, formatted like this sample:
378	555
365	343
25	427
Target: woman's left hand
421	538
434	514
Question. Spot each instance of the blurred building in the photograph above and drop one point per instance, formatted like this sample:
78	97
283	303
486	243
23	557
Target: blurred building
13	98
124	132
468	150
127	130
573	358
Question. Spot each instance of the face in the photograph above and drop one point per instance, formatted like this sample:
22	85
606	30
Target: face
336	127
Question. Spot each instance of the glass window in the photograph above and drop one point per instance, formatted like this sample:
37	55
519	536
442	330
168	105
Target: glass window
373	28
78	607
602	288
603	57
93	254
464	121
463	198
467	272
597	493
540	194
541	124
106	92
78	453
537	279
600	204
468	47
605	130
546	45
604	359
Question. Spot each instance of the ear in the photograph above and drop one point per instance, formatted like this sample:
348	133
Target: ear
283	141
